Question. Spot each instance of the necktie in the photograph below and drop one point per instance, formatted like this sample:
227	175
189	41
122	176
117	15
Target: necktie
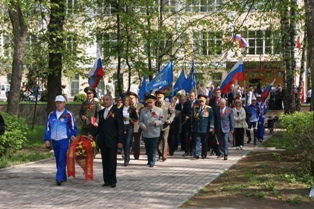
221	112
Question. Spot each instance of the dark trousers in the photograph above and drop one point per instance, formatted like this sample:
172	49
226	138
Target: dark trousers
137	144
213	143
128	132
109	164
223	142
189	142
151	146
172	140
239	136
162	144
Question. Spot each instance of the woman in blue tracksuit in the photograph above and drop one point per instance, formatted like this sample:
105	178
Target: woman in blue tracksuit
60	127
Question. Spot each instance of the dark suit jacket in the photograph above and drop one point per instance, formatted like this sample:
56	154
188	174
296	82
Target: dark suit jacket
111	129
187	111
224	123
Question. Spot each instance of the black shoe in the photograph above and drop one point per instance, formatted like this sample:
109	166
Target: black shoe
196	157
113	185
105	185
225	157
136	158
58	183
185	154
203	157
151	166
126	164
219	156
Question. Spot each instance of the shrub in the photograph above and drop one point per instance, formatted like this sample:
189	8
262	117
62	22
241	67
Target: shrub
80	98
44	96
14	137
299	127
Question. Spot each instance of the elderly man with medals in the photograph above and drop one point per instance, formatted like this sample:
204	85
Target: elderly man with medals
202	124
168	112
151	119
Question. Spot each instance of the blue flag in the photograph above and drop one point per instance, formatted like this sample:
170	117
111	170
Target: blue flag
142	91
178	86
162	79
190	81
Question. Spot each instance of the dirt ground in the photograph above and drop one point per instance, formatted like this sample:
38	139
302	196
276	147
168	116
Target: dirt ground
262	180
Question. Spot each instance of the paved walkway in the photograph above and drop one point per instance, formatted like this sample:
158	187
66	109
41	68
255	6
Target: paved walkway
168	185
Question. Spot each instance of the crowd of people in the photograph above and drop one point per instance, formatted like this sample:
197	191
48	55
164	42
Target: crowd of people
197	124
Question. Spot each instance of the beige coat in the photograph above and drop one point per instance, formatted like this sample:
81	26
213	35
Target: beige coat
239	119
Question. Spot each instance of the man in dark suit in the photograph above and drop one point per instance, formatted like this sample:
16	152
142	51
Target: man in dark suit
214	101
186	115
110	130
224	123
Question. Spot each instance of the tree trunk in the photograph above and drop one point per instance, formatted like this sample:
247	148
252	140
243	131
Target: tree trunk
288	42
55	37
309	11
20	32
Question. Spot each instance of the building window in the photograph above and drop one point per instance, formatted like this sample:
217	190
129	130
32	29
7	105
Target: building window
75	84
169	6
71	7
207	43
203	5
108	43
71	43
254	74
269	74
280	74
262	42
217	77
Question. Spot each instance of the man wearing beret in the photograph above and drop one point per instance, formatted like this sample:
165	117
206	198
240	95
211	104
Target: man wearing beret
202	124
168	112
88	111
136	129
151	119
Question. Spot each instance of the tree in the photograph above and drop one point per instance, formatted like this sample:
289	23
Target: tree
309	11
19	26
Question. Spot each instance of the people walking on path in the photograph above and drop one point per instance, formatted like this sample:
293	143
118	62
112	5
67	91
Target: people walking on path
239	123
151	119
224	124
110	130
88	111
263	109
60	128
202	124
129	118
168	113
254	110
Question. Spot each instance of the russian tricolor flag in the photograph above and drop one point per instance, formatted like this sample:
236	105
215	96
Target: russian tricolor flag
236	74
96	74
243	43
267	90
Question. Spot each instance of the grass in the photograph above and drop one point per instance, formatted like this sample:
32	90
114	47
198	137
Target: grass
32	150
271	177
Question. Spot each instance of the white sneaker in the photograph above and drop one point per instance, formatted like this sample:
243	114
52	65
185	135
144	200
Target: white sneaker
241	148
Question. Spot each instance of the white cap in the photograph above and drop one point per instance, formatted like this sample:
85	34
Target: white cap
253	97
60	98
258	96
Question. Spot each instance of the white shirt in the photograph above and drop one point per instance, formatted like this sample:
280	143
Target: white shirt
126	114
107	111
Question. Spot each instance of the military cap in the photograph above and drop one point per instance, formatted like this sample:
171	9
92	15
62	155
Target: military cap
89	90
202	97
150	98
131	94
160	93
